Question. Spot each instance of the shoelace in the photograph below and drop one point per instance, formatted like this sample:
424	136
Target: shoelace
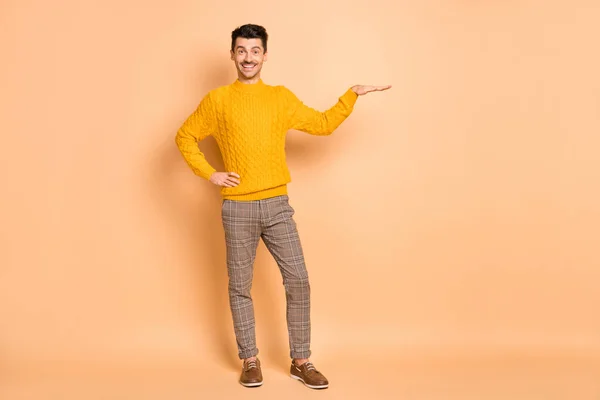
250	365
309	367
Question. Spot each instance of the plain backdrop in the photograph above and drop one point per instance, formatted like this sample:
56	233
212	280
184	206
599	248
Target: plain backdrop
456	214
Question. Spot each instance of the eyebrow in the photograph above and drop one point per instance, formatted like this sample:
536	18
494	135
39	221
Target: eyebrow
242	47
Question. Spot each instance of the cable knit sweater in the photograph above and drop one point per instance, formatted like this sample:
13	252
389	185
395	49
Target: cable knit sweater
249	123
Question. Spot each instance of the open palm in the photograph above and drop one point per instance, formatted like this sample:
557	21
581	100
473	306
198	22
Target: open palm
364	89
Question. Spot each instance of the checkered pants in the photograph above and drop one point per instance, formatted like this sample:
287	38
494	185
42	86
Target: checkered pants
245	222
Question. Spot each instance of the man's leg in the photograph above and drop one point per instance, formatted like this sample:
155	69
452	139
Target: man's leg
281	238
241	222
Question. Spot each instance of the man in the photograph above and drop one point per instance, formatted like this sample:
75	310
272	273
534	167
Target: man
249	121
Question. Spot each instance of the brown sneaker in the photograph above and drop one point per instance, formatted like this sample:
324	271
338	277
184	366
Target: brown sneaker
251	374
308	374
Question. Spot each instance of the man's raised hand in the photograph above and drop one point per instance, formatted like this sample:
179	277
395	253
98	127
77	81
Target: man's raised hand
364	89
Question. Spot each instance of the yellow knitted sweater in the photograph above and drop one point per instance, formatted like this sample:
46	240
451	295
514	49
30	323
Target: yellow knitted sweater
249	123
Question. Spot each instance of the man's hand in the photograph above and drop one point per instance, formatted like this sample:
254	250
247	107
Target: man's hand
364	89
226	179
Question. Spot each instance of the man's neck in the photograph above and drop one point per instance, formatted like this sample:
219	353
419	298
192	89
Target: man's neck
254	79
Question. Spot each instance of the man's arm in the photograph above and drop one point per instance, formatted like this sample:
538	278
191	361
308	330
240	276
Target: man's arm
197	126
309	120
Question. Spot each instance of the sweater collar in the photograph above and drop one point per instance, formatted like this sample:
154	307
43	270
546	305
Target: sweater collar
249	87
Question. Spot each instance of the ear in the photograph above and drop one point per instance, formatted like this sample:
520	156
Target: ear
266	56
232	55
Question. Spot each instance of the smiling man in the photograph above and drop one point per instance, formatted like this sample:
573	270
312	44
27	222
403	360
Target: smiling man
249	121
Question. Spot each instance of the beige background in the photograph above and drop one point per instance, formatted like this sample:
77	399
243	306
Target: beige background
450	225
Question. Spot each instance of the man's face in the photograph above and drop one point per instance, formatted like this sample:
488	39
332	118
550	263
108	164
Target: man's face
248	56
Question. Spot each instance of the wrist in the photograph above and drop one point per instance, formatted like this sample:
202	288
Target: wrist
210	175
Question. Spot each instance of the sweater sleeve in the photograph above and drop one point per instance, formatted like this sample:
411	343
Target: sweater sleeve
199	125
309	120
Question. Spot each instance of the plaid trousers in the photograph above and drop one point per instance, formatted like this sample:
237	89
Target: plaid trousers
245	222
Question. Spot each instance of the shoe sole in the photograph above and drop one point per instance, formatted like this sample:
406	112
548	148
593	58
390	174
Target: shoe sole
307	385
255	384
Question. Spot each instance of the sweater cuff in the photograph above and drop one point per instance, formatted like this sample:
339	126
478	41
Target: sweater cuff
206	174
349	98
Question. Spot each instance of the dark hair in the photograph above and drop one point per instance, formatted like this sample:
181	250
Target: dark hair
250	31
